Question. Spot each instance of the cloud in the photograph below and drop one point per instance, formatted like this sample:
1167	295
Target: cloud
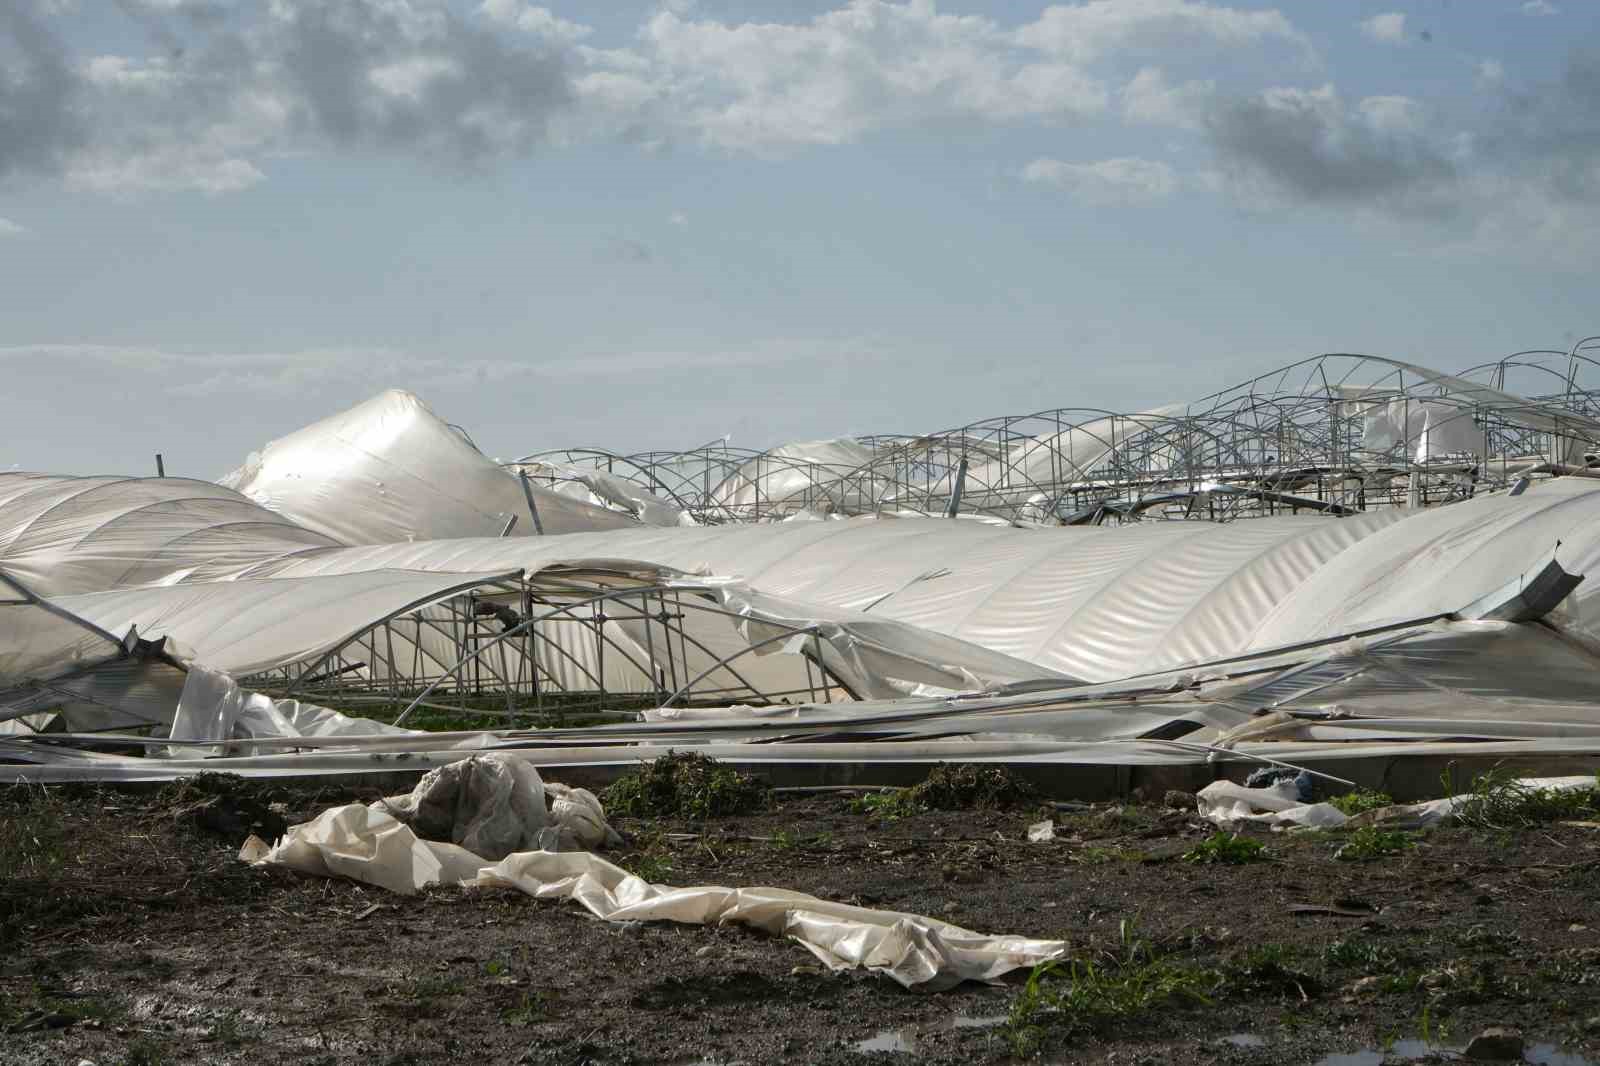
1298	144
363	370
678	218
872	64
216	99
1109	182
1085	32
760	87
224	88
530	19
1538	8
1149	99
40	118
1550	134
9	228
1523	177
1389	28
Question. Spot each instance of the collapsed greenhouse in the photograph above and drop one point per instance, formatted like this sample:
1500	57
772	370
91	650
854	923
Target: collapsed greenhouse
1351	559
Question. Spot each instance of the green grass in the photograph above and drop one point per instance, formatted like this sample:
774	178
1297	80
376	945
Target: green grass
1267	970
1095	855
33	833
1087	995
1229	848
1369	842
891	804
686	785
531	1008
652	862
1360	801
1367	957
1497	801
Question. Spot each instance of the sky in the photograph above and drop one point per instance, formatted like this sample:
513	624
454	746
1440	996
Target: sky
645	226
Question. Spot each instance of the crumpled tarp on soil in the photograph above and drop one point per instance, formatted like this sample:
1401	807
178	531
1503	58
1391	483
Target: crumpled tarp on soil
372	845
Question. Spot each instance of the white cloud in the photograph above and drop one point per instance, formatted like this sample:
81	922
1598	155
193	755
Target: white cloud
9	228
1393	115
461	88
163	168
1491	73
873	64
1085	32
759	87
1149	99
1389	28
678	218
530	19
1538	8
1108	182
361	370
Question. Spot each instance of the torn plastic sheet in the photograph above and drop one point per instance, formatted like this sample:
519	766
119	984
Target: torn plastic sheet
494	805
375	848
214	707
389	470
1231	805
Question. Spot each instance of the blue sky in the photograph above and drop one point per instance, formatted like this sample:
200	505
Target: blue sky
644	226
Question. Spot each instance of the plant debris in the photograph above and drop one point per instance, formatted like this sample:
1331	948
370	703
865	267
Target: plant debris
685	784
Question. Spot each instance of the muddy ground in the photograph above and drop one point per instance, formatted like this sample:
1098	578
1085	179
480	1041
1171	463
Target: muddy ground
129	934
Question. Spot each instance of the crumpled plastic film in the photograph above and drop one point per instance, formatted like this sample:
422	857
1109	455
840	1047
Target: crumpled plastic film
490	805
1229	805
370	845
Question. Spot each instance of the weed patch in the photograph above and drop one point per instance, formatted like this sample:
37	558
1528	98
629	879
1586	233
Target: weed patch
1498	801
1369	842
957	787
687	785
33	833
1266	971
1089	995
1367	957
1361	801
969	787
1229	848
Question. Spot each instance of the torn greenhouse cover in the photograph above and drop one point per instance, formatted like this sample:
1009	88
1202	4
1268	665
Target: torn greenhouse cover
375	845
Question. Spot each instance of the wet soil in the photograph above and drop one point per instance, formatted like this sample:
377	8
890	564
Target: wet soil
129	934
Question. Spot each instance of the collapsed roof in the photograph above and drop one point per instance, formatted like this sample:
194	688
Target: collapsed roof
376	562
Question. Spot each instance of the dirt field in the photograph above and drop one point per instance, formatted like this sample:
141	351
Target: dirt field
131	935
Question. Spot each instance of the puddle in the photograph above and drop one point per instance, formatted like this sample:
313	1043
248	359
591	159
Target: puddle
1245	1040
1399	1051
1551	1055
901	1040
904	1041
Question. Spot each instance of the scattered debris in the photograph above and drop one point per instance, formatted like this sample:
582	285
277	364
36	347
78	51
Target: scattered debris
225	806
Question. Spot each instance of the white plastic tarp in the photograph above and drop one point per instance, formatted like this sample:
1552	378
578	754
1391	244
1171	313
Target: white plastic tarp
390	470
1096	603
370	845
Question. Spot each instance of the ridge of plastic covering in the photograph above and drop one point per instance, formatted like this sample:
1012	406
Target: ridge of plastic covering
390	470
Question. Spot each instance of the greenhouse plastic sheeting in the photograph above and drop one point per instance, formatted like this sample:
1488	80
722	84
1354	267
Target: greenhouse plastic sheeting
1094	603
238	627
390	470
370	846
61	535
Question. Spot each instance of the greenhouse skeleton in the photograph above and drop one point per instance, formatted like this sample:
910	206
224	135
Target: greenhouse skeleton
1374	560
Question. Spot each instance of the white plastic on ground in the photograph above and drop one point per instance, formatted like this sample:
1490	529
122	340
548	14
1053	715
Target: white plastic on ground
474	803
1230	805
